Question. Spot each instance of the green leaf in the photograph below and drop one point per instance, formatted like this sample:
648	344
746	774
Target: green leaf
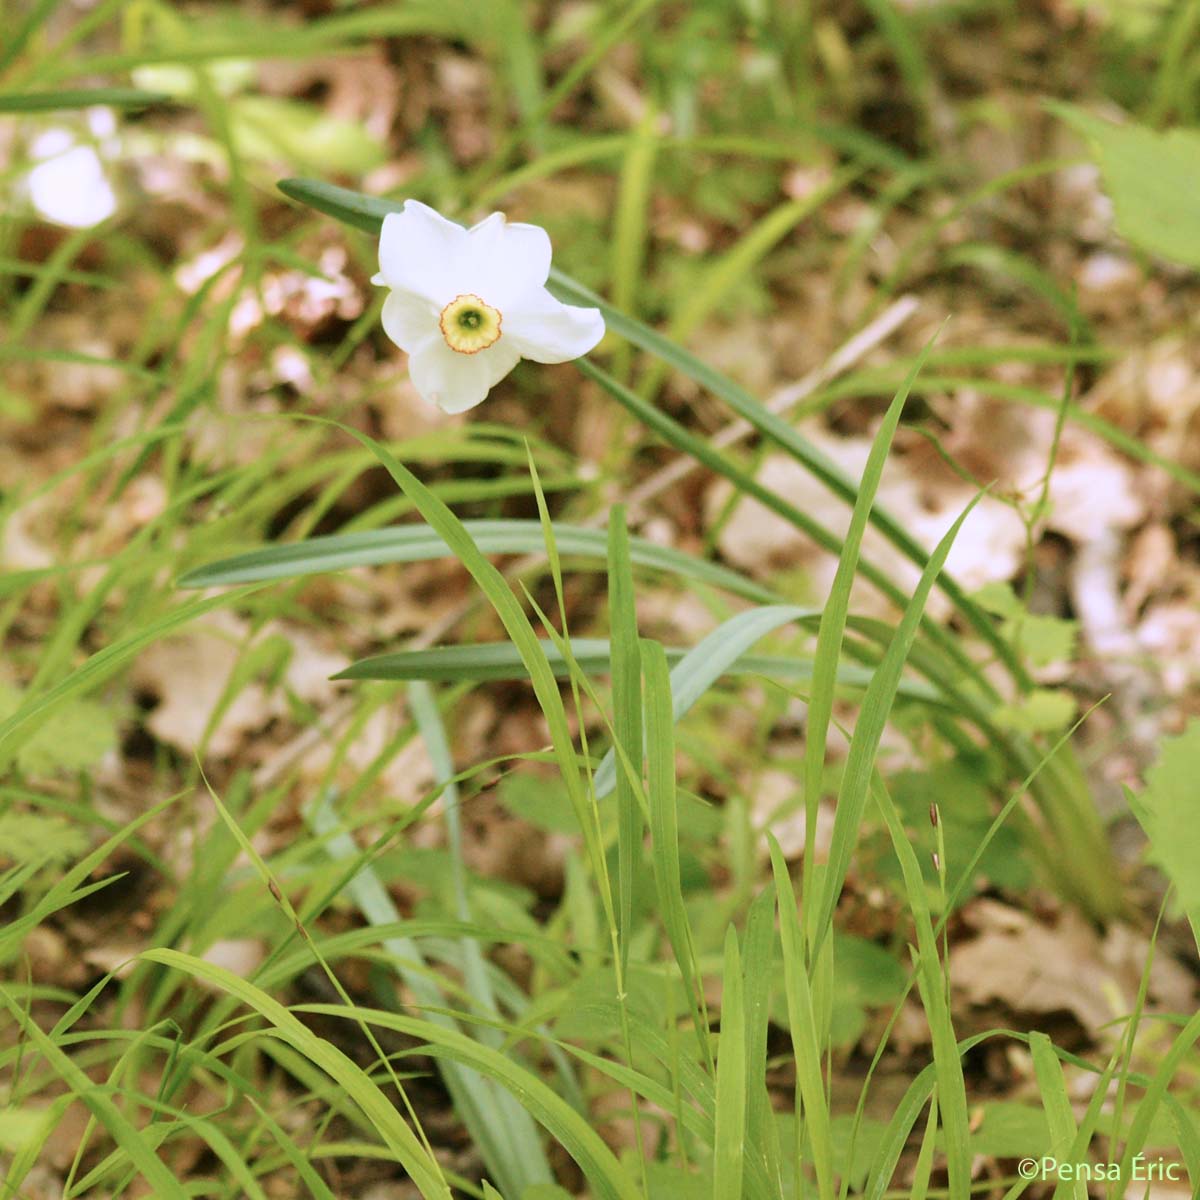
1011	1130
806	1049
17	102
1040	638
832	630
865	976
730	1141
1167	813
538	800
135	1142
27	837
662	796
77	736
669	1182
703	665
1057	1106
419	543
1041	711
272	129
20	1127
1153	178
868	732
626	664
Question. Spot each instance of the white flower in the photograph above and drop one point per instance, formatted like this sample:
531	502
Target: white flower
468	304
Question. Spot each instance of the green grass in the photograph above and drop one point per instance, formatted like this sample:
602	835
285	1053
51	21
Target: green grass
669	1019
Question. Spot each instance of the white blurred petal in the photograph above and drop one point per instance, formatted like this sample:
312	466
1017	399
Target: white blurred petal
548	331
423	253
408	319
456	382
507	262
72	189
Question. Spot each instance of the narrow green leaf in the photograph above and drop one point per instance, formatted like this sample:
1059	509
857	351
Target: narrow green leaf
664	834
832	630
806	1049
1057	1106
758	971
133	1141
627	717
934	989
18	102
702	666
872	718
419	543
501	1128
729	1143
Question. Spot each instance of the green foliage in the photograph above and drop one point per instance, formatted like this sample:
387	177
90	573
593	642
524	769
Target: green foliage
1044	710
1042	639
22	1127
963	791
30	837
1166	811
271	129
866	978
1153	179
1011	1130
76	737
658	983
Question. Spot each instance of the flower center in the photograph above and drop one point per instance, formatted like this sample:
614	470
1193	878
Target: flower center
469	325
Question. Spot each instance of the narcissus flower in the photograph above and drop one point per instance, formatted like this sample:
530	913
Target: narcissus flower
468	304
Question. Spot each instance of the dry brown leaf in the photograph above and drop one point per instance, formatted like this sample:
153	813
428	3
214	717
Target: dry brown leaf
189	674
1035	968
989	546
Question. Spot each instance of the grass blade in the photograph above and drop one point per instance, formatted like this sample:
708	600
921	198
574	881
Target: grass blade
810	1083
933	986
605	1175
702	666
356	1083
97	1099
664	834
625	658
419	543
729	1142
18	102
832	630
876	707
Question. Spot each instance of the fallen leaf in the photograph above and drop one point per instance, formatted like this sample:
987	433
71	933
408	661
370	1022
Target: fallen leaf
1032	967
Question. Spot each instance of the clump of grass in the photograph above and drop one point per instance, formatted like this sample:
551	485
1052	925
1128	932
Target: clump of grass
668	1037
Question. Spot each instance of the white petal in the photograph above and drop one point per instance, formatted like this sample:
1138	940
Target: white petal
507	261
408	319
548	331
456	382
423	253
